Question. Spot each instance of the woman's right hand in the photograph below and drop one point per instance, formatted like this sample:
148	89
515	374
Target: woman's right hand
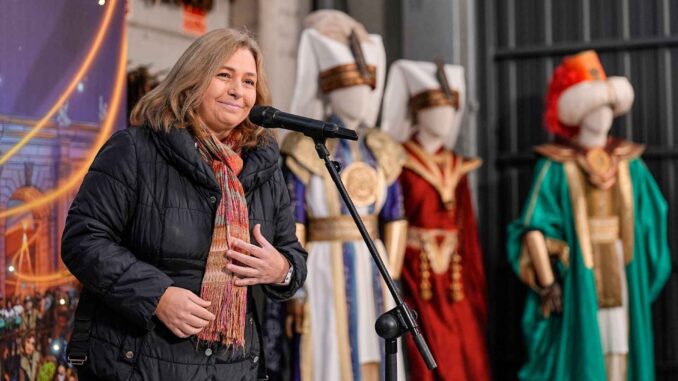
183	312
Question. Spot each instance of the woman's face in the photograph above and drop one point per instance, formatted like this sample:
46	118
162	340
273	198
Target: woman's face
231	94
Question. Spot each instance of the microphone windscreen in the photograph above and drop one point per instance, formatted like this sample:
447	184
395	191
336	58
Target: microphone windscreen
258	115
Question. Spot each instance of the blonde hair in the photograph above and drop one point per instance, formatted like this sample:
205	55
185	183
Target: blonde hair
175	101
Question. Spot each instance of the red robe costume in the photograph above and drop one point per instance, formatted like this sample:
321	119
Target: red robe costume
443	277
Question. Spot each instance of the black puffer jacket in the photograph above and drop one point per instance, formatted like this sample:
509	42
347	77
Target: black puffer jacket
141	222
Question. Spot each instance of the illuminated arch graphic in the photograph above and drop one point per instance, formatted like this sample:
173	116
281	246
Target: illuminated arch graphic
27	261
84	67
107	126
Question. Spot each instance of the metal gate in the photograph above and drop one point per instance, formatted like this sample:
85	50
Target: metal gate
521	41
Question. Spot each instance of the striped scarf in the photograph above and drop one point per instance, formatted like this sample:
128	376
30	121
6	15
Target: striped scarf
229	302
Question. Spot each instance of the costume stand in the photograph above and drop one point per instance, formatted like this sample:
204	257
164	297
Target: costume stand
398	321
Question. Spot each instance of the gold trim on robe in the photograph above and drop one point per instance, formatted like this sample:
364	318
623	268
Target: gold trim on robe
302	158
627	219
445	179
575	183
621	152
395	238
303	161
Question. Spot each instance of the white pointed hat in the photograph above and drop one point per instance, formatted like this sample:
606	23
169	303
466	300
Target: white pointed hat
327	61
416	85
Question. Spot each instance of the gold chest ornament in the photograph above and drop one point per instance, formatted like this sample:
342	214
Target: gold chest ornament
598	160
362	183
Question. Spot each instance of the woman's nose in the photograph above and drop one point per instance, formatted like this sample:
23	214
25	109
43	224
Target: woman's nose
235	90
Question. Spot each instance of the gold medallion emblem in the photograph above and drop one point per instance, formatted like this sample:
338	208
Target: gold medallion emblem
361	183
598	160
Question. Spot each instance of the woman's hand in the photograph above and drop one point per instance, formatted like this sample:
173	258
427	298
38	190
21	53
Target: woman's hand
183	312
264	265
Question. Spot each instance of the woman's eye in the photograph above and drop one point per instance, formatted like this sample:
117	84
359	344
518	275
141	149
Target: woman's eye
224	75
250	82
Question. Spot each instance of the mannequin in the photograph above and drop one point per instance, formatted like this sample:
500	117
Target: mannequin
344	295
350	104
429	133
441	271
595	127
591	241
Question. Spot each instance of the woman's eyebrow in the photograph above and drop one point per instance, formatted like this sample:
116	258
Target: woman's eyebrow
233	70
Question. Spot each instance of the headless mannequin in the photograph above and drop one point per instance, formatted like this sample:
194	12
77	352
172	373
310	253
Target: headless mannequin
594	128
350	104
431	128
593	133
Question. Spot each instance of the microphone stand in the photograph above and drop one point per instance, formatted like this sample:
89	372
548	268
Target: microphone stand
394	323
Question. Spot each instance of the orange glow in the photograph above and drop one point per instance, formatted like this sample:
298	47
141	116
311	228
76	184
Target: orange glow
84	67
58	277
76	177
16	258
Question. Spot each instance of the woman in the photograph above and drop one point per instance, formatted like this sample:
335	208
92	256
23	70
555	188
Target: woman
159	231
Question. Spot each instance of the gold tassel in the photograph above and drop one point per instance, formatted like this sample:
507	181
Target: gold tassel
425	285
456	286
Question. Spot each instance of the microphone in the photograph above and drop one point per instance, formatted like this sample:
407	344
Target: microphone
270	117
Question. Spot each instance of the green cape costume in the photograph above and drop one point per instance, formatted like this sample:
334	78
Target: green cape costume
568	346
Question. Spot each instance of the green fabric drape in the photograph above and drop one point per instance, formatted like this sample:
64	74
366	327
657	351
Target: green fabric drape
568	346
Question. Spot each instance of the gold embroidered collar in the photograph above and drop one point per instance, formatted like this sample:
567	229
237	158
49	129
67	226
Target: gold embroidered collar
442	170
599	164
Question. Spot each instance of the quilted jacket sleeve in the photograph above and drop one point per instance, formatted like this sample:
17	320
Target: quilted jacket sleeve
91	244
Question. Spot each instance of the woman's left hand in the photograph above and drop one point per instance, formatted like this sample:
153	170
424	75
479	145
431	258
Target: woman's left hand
263	265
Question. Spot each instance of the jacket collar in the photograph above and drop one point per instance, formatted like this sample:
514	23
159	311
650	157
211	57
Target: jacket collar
178	147
259	165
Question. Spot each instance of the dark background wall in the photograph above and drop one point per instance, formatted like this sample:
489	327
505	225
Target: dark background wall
510	48
521	41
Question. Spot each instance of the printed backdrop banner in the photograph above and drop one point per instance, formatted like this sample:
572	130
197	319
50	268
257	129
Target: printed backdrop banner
62	66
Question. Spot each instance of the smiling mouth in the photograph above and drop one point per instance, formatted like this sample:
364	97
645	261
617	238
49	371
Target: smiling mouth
232	106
